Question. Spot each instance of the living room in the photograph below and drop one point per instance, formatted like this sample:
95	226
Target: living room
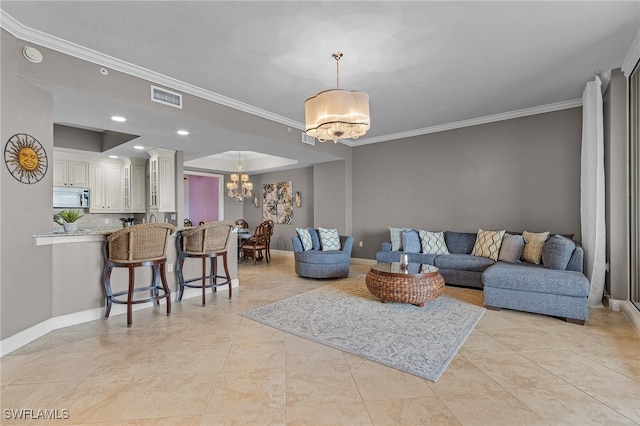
517	170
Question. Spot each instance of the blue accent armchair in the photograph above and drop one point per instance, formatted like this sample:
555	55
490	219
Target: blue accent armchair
316	263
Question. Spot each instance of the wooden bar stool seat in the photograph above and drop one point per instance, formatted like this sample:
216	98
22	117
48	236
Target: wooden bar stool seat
131	248
206	241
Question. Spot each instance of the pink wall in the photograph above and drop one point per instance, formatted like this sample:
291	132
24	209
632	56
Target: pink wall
203	198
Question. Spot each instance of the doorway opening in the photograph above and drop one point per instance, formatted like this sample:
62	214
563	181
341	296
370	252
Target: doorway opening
203	197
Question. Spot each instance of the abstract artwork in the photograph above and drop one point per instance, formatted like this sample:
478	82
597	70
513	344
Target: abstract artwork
277	202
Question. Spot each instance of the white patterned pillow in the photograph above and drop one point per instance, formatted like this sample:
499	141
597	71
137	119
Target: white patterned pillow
329	239
305	238
488	244
432	242
396	238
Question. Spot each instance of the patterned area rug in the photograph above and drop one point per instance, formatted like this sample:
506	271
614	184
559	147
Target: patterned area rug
345	316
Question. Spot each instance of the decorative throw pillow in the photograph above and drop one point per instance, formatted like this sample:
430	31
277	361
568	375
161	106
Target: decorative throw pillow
557	251
533	243
329	239
488	244
305	238
314	238
432	242
411	241
511	248
396	238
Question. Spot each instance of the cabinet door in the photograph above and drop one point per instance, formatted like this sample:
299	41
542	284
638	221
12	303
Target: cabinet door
59	172
167	186
153	183
78	174
113	187
138	186
96	189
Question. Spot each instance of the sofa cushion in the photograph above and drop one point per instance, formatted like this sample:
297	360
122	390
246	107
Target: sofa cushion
329	239
410	241
488	244
532	278
557	251
432	242
396	238
533	243
466	262
305	238
511	248
314	238
460	242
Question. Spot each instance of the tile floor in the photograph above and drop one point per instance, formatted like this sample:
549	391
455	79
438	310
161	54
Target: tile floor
209	366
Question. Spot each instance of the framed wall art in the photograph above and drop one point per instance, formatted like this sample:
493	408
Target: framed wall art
277	202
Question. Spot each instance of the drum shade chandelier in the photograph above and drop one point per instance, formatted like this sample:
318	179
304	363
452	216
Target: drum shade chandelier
239	187
337	114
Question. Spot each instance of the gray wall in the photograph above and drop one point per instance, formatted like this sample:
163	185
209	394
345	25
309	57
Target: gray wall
25	269
616	185
301	180
519	174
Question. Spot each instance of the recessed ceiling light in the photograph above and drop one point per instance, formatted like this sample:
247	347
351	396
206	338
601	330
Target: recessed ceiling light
182	132
118	118
113	156
139	147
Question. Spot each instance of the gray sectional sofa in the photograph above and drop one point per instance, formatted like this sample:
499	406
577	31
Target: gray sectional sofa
560	289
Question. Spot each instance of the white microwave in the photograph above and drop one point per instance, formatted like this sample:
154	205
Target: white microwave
76	198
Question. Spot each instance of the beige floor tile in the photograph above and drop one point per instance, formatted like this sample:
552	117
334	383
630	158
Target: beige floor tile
164	421
266	417
571	366
325	383
31	396
61	367
624	397
492	408
15	366
172	395
303	352
255	355
478	341
328	413
568	405
246	390
414	411
513	371
377	382
463	378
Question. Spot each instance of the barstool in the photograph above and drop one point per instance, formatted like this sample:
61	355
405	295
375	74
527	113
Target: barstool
204	241
132	247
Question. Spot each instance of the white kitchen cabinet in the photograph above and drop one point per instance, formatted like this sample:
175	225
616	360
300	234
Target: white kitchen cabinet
70	170
105	185
134	187
162	181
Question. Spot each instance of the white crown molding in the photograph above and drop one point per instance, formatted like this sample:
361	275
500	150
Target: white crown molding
471	122
633	56
55	43
46	40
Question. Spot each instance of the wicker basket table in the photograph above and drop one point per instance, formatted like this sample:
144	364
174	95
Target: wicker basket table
416	284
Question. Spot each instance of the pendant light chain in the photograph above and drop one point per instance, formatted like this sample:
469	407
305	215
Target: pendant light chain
337	56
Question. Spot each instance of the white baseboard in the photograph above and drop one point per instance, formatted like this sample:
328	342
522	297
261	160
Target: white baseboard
360	261
24	337
632	314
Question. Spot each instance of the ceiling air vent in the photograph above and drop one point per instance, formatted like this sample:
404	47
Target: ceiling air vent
166	97
310	140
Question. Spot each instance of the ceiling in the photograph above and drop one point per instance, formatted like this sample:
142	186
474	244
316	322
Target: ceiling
427	66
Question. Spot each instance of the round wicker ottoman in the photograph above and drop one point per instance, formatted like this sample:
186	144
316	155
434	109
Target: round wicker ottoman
415	285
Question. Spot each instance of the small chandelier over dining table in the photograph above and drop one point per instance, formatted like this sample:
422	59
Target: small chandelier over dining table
239	187
337	114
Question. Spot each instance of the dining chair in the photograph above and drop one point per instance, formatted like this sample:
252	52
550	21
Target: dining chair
256	246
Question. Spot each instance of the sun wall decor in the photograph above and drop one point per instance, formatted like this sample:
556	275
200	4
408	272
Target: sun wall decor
277	202
25	158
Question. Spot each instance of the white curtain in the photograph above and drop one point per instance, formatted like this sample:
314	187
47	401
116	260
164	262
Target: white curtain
592	191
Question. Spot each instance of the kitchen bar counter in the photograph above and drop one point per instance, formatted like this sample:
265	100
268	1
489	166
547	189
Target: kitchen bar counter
80	236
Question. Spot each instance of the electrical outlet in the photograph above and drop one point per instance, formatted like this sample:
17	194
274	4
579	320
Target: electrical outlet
360	244
615	305
106	221
169	267
173	216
